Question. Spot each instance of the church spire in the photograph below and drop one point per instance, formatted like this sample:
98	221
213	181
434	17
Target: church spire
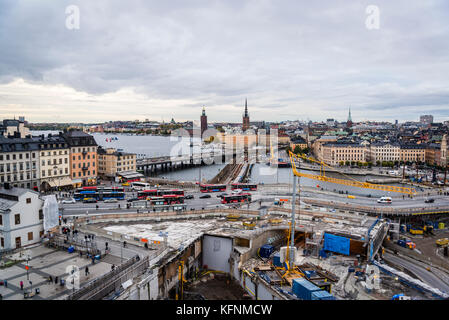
246	108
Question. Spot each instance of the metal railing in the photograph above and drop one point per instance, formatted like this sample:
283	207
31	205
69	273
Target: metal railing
102	286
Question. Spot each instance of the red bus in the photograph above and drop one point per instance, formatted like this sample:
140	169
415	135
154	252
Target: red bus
159	193
244	186
212	187
146	193
165	200
163	192
243	197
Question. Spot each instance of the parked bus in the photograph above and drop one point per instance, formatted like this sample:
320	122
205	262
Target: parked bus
99	193
112	193
140	186
212	187
236	198
163	192
244	186
165	200
147	193
159	193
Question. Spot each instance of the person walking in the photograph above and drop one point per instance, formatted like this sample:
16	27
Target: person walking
56	280
50	279
21	285
86	271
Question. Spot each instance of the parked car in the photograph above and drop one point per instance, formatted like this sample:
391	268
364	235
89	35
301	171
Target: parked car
68	201
189	196
205	196
89	200
222	195
110	201
429	200
132	199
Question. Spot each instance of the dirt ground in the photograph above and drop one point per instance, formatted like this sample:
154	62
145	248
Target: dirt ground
218	288
428	247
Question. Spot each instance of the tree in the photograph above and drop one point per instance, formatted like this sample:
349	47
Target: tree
342	163
288	149
297	149
347	162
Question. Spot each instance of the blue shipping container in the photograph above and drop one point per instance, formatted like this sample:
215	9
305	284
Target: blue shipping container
303	289
277	260
322	295
266	250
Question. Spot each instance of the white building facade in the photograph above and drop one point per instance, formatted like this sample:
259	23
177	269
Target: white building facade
21	218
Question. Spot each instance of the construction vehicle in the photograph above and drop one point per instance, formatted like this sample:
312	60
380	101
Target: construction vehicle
249	224
347	182
416	231
233	217
275	220
442	242
406	244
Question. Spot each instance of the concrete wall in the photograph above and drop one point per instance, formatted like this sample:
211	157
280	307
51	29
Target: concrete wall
216	252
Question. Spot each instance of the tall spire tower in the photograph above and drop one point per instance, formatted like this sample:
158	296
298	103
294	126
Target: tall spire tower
203	121
245	125
349	122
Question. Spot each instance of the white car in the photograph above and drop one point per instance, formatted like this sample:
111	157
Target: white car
110	201
68	201
237	191
384	200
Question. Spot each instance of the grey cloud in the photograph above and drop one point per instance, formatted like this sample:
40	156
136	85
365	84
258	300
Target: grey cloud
279	54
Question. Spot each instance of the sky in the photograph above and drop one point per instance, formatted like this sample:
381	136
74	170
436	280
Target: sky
292	60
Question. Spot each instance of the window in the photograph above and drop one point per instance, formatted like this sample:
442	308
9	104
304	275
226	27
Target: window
28	200
1	220
17	218
30	236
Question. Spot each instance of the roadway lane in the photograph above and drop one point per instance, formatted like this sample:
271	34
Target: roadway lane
421	272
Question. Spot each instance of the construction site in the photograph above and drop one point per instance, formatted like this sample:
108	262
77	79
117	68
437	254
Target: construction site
291	249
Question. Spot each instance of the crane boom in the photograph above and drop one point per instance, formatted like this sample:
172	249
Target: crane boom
347	182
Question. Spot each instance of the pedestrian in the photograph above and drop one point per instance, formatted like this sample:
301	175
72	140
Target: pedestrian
112	267
50	279
5	283
87	271
21	285
81	254
56	280
93	260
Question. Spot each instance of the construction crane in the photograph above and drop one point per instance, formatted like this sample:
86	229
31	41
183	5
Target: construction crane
347	182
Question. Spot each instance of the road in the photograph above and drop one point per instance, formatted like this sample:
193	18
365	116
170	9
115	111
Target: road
215	202
418	270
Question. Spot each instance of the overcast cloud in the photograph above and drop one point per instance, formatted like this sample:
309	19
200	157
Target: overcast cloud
140	59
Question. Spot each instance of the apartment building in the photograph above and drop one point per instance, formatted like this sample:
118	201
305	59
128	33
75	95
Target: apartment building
21	217
83	157
14	128
335	153
111	162
413	153
19	162
385	152
54	159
